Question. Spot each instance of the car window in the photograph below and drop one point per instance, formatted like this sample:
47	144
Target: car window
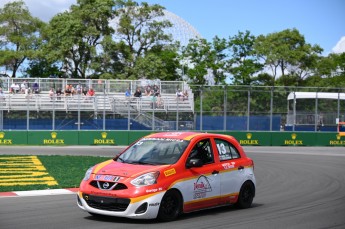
202	150
154	151
226	150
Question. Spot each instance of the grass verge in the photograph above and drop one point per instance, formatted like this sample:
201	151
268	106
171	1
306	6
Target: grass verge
24	173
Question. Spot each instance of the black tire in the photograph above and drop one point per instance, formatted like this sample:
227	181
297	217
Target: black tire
246	196
170	207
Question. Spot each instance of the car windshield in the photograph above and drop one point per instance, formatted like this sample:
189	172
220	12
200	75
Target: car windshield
154	151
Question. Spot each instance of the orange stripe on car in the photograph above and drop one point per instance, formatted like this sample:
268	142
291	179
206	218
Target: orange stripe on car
191	136
101	165
138	199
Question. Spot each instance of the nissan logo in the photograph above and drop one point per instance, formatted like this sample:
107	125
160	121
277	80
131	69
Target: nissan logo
105	185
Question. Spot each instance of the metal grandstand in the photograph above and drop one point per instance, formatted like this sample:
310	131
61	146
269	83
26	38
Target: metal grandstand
109	98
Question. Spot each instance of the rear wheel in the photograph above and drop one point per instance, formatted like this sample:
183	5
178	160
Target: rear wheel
246	196
170	207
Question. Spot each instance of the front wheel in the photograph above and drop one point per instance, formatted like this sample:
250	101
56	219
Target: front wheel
170	207
246	196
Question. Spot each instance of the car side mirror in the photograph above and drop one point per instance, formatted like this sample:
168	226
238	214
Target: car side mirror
194	162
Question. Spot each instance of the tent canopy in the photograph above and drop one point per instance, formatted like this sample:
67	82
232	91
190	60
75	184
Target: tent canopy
318	95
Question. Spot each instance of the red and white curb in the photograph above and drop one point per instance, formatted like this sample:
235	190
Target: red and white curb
47	192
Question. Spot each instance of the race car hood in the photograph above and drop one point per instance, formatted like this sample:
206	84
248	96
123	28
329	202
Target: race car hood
114	168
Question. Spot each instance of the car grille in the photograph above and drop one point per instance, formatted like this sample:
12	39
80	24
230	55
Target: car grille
104	185
107	203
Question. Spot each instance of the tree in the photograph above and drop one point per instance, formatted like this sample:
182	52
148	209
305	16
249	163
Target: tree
206	61
330	72
74	36
243	63
159	62
42	69
139	31
286	52
19	35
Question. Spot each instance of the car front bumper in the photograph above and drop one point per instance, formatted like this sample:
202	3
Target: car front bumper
145	207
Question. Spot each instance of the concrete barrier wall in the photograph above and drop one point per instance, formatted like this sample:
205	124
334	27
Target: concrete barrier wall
121	138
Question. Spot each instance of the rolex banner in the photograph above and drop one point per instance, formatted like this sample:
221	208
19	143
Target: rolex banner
123	138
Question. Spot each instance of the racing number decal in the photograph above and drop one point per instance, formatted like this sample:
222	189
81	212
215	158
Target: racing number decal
223	155
221	149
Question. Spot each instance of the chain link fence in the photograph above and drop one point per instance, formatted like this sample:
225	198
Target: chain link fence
204	108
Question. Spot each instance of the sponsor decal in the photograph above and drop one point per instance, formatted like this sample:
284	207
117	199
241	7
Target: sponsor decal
4	141
229	165
164	139
337	141
170	172
249	140
172	134
154	190
201	187
153	204
24	170
293	140
107	178
103	193
54	140
104	140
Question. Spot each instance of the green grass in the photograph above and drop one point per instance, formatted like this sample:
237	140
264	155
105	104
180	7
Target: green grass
68	171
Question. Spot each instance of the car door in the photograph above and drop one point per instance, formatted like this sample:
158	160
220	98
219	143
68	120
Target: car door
201	188
232	172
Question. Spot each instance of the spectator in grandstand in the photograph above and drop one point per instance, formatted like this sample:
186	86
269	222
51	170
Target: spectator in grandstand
185	95
73	90
159	101
155	89
51	93
78	89
58	94
15	88
68	91
2	95
90	92
11	89
137	93
148	91
23	86
128	93
179	94
35	88
27	93
153	100
85	91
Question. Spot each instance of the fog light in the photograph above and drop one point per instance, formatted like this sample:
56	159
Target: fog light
141	209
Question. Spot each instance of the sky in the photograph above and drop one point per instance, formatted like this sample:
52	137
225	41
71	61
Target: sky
321	22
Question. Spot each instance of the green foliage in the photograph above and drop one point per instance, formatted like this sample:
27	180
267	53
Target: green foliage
243	63
205	59
287	51
40	68
141	37
19	33
73	36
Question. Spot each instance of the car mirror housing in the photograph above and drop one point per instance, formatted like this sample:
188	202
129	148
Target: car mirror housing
193	162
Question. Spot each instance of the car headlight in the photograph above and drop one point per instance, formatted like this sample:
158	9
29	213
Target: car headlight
88	174
145	179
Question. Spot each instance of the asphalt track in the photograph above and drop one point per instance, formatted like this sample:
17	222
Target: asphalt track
297	187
